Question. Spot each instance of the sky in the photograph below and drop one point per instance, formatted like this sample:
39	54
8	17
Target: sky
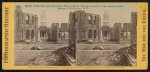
59	13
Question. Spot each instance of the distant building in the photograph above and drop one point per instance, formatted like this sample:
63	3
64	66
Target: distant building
43	33
43	18
106	35
26	26
63	32
126	31
106	32
106	18
85	26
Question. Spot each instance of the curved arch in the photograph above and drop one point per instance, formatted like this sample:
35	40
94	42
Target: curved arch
27	34
90	19
27	19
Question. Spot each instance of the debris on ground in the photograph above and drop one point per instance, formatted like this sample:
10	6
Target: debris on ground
27	41
36	48
98	48
125	56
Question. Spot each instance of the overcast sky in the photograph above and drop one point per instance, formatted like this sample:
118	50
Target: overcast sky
120	14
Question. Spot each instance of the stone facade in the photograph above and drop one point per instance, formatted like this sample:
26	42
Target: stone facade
85	26
26	26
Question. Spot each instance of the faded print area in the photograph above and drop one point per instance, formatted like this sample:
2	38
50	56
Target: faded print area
72	37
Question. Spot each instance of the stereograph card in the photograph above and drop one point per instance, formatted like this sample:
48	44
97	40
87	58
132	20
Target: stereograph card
74	36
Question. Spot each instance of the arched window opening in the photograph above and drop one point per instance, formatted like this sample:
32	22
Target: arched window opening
32	34
94	33
90	34
42	33
27	34
27	19
90	19
95	20
59	34
75	19
33	19
64	35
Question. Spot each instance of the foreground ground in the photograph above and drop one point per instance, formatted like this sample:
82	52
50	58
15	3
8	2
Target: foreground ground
47	55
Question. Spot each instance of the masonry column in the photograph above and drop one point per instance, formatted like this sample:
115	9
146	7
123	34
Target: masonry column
72	35
36	28
133	27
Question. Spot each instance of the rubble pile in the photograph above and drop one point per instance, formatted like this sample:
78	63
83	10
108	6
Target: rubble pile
125	56
44	58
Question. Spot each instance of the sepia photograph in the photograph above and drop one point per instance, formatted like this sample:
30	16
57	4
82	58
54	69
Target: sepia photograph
75	35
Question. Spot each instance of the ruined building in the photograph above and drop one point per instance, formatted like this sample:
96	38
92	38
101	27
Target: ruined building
85	26
117	32
63	32
106	32
43	33
53	32
126	31
26	25
133	27
105	27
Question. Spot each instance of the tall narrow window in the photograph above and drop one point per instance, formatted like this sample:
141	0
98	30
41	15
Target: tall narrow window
95	20
64	35
22	33
59	34
75	19
90	34
32	33
42	33
90	19
33	19
27	34
94	33
22	19
27	19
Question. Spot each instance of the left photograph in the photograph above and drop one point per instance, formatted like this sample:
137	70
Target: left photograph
42	37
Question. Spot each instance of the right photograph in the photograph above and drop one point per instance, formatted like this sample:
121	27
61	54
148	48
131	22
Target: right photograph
104	37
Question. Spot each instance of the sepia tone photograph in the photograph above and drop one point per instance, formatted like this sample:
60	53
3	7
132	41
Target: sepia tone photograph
65	36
